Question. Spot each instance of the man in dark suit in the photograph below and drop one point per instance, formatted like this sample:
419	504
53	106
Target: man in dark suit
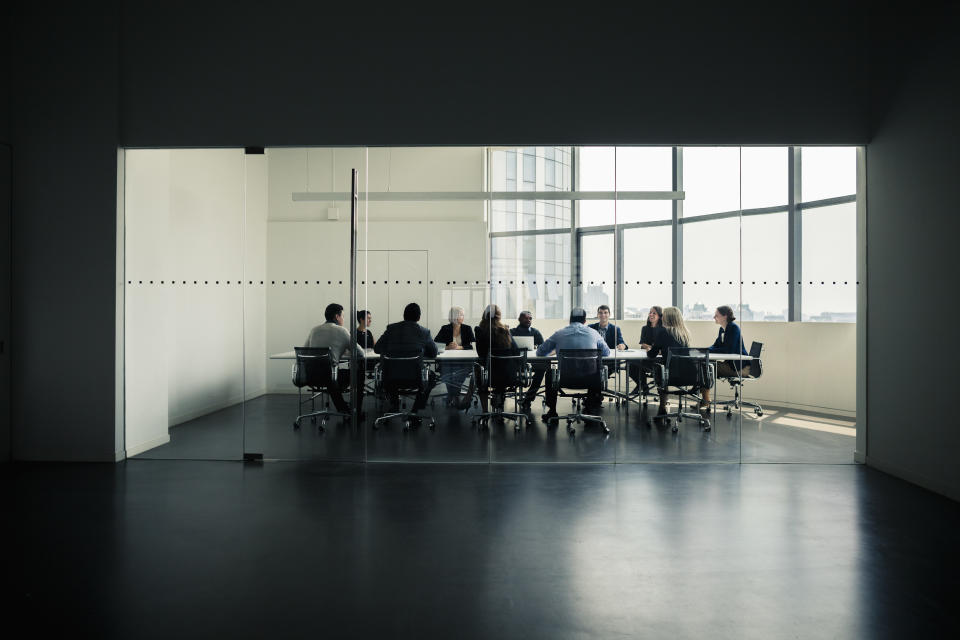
525	328
408	338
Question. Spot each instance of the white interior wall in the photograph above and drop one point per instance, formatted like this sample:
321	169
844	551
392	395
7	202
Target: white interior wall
305	247
185	211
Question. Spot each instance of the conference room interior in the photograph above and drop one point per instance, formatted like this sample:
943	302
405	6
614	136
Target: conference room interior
231	255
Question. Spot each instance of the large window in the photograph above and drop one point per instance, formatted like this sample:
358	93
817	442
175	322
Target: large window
695	227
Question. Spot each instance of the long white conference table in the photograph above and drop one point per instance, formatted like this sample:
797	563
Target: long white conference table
469	355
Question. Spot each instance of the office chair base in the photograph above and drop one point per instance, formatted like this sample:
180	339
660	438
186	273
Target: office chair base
482	419
737	403
323	415
410	420
572	418
679	415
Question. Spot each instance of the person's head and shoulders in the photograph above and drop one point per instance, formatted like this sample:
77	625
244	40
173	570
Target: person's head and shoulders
331	333
407	334
674	332
492	333
525	328
653	326
365	337
610	332
576	335
729	337
456	334
332	325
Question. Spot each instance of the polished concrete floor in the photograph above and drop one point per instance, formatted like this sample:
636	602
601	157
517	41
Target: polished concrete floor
264	425
160	549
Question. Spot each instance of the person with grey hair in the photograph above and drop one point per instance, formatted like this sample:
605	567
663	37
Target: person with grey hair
455	335
576	335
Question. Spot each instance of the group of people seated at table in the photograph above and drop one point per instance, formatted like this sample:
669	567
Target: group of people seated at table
664	329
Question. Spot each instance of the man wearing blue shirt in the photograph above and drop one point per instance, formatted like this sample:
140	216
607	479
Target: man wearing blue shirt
610	332
576	335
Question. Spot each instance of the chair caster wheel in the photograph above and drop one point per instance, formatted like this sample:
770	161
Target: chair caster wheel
675	428
729	413
606	430
296	425
759	412
433	425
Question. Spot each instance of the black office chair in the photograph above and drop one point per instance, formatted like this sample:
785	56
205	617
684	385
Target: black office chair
736	382
404	374
317	371
507	375
579	369
686	371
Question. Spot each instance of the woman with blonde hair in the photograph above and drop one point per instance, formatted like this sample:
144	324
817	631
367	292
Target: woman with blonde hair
674	334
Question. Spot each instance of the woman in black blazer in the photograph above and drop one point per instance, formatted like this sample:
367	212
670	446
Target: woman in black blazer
455	336
673	334
648	335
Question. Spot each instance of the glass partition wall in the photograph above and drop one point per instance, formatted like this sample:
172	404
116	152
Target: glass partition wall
234	258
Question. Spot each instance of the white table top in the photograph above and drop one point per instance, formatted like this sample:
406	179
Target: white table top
469	354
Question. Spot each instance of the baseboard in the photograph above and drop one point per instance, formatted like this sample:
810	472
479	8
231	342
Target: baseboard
174	420
137	449
912	477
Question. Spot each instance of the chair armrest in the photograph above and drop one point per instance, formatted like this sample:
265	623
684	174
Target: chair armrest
660	375
526	375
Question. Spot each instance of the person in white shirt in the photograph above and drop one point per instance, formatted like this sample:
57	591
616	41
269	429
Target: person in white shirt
332	335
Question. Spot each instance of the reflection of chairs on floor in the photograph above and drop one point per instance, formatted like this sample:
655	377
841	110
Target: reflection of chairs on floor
686	371
736	382
506	375
402	375
580	373
315	370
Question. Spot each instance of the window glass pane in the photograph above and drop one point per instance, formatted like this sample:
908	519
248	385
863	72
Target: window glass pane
596	170
765	261
711	267
596	271
647	269
711	180
829	291
827	172
531	272
628	211
764	179
644	168
530	169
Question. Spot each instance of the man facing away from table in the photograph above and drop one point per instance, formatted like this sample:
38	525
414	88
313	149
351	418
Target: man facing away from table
576	335
334	336
409	338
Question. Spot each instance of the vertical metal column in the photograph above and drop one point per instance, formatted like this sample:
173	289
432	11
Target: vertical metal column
355	364
794	237
574	223
678	229
862	444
